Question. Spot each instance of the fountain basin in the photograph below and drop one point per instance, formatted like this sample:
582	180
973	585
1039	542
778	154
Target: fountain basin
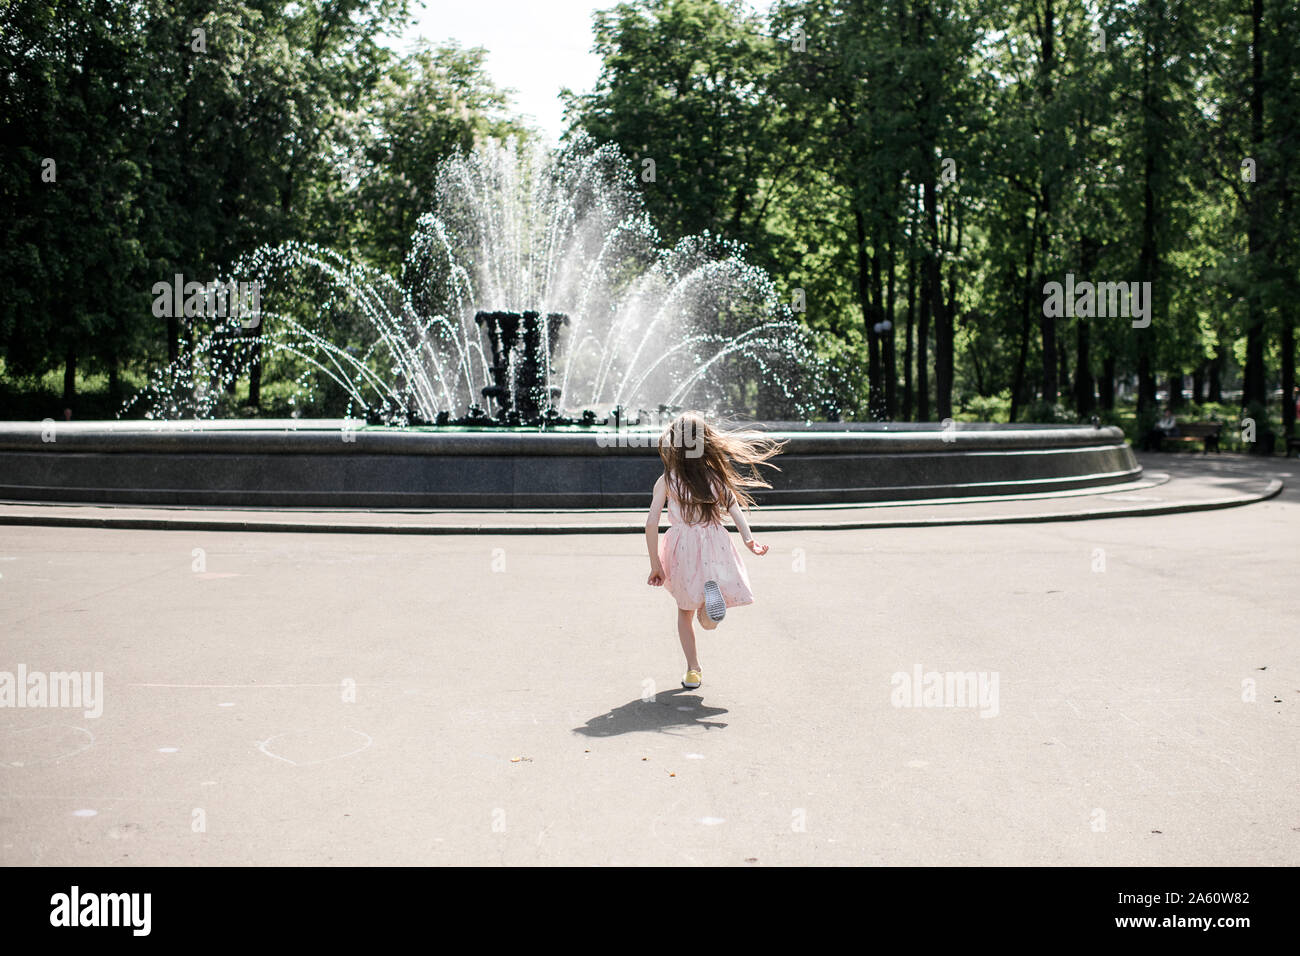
333	463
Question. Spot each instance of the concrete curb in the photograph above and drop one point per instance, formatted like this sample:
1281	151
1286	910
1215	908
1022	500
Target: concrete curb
188	523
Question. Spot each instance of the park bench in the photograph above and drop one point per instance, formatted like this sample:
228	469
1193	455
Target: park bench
1205	432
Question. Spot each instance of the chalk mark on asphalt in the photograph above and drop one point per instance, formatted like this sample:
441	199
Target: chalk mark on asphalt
55	759
263	745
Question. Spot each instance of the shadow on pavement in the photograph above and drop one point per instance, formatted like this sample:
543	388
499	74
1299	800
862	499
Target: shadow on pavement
669	709
1226	469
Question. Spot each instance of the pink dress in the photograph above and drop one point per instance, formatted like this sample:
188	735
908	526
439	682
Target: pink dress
694	553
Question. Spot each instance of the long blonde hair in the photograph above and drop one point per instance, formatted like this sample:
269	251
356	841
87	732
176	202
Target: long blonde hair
705	466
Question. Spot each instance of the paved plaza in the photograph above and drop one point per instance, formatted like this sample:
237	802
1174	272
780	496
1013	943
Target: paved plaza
305	697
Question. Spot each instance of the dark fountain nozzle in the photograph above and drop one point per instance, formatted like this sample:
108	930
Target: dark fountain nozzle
517	345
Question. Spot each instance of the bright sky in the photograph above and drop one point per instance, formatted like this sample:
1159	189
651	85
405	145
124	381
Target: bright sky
535	47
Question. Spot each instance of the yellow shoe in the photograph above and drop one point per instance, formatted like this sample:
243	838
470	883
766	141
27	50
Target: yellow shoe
692	679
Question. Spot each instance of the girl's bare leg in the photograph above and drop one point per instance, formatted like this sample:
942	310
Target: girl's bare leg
687	634
706	622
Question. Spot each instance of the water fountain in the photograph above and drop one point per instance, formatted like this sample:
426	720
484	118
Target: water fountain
513	231
538	336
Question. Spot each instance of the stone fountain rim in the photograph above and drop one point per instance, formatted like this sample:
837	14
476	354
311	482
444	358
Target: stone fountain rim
343	437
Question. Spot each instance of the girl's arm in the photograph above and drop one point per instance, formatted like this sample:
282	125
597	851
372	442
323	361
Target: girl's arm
656	578
738	516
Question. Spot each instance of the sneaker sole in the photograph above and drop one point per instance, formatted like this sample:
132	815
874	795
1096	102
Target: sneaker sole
714	606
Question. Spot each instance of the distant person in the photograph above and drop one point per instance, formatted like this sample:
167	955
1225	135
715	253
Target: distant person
67	414
1166	427
696	561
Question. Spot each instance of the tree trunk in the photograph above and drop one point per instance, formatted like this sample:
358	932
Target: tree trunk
1063	370
977	367
1047	331
1106	384
114	361
173	338
943	333
950	314
868	317
1047	323
908	394
1254	389
923	355
1288	376
255	375
1147	267
890	349
1215	375
1175	390
1026	299
1146	397
1085	401
1149	254
70	375
875	343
